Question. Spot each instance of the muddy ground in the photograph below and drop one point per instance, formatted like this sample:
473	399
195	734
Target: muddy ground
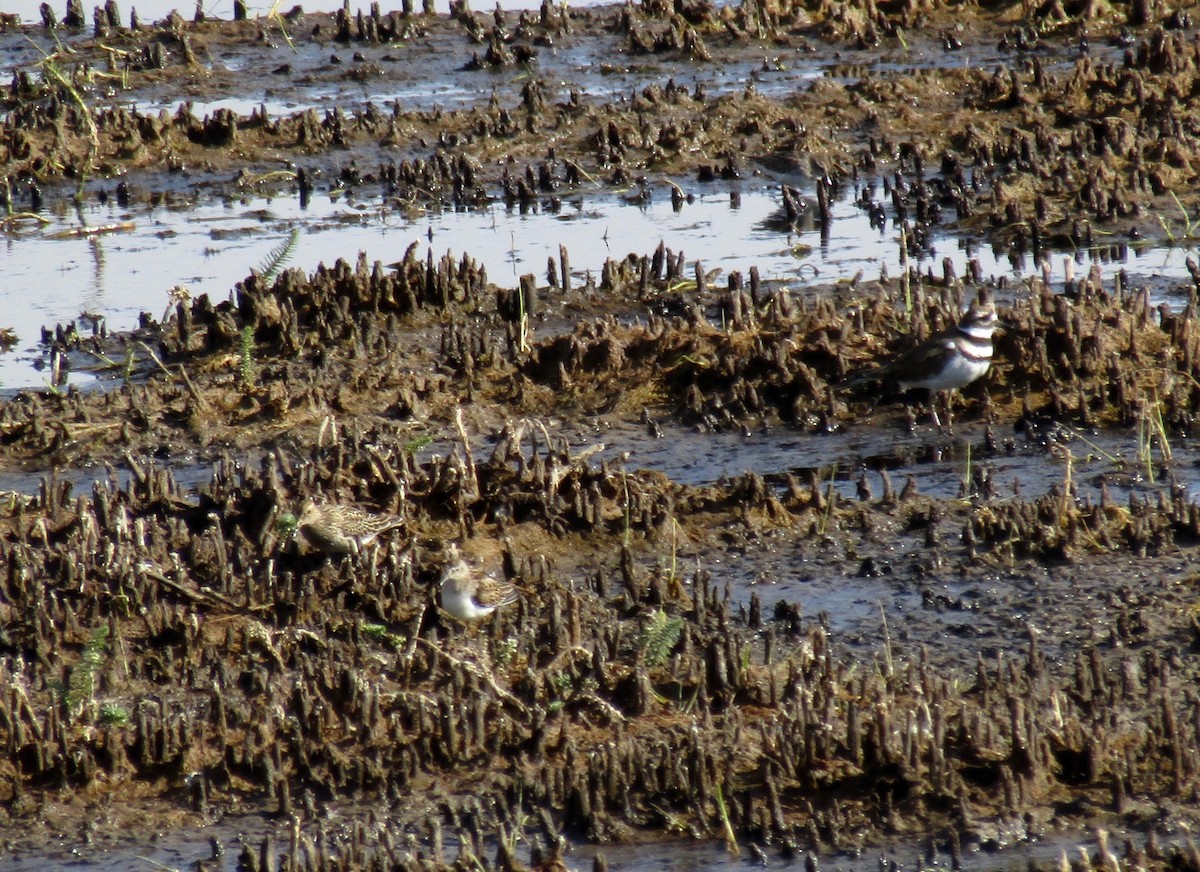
178	648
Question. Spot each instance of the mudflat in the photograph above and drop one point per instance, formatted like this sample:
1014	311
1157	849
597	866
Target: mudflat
993	661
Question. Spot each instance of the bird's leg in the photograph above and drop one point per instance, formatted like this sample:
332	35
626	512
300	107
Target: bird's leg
933	412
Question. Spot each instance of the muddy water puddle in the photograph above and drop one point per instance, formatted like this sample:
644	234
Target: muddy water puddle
945	465
437	68
216	848
53	277
942	462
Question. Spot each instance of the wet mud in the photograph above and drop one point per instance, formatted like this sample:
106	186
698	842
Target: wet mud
958	623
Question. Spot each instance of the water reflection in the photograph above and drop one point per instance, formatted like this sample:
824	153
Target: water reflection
209	246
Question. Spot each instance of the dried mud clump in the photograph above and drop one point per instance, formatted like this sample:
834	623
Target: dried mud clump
1092	356
1106	143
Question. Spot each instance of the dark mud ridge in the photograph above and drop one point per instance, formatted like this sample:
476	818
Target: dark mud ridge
181	648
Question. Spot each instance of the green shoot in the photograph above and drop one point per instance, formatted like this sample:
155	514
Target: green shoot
887	643
53	72
731	844
659	638
276	18
286	525
417	444
82	682
246	356
381	634
113	715
273	263
505	651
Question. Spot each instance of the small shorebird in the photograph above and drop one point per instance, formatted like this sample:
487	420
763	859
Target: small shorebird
469	594
946	361
338	529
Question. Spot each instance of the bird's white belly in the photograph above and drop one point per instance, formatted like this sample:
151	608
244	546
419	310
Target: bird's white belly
958	372
463	606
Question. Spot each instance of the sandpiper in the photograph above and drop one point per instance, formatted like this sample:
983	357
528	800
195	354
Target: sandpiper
338	529
469	594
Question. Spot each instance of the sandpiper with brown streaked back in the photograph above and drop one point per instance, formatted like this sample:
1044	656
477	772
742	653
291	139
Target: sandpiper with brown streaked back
470	594
339	529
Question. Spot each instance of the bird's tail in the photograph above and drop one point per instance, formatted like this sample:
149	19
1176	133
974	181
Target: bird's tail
861	380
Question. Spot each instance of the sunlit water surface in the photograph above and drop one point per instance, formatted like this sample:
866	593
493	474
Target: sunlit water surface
208	247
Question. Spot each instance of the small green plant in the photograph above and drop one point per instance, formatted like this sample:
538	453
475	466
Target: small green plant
276	18
273	263
54	73
1151	429
113	715
82	683
286	525
246	356
564	686
1189	225
673	822
517	833
417	444
731	844
505	651
374	632
659	638
381	634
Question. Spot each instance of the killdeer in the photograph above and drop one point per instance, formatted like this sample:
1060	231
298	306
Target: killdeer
947	361
338	529
469	594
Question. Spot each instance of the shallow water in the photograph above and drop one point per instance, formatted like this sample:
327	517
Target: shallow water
208	246
182	848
